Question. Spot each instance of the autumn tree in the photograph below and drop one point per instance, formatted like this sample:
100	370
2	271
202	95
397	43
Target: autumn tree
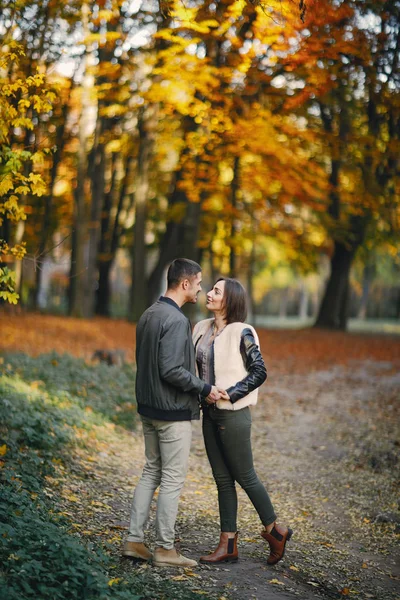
361	121
22	100
234	154
36	28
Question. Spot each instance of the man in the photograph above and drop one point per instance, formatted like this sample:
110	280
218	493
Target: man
167	391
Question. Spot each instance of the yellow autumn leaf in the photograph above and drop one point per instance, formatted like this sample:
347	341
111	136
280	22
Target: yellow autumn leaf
35	384
24	103
3	450
276	582
191	573
72	498
38	186
6	184
179	578
293	568
10	297
114	581
22	122
116	538
37	158
22	189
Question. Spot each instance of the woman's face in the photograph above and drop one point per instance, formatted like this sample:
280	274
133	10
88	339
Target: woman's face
215	297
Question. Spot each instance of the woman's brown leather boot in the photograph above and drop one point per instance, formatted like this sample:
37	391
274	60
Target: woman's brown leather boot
226	552
277	542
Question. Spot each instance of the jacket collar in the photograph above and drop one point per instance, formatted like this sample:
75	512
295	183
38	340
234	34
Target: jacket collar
171	302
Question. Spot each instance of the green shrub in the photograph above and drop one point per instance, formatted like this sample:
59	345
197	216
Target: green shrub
107	389
39	558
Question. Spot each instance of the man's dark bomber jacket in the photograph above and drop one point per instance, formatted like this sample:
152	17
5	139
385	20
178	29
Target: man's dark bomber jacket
166	385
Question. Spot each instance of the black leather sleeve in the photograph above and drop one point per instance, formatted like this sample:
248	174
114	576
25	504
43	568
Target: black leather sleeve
255	366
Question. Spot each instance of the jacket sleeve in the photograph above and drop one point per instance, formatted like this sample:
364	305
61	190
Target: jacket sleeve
255	366
171	358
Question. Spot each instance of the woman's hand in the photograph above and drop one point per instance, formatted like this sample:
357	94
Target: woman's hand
217	394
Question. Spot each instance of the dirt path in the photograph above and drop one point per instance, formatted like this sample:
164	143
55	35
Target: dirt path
327	446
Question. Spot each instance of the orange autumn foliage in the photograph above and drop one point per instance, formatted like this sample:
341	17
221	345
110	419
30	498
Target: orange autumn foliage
284	350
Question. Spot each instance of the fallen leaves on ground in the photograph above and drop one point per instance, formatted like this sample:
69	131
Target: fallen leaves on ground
325	441
300	350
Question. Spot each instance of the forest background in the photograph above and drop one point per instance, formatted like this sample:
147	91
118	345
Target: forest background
261	140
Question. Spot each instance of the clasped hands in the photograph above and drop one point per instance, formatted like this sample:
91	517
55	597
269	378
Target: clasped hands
216	394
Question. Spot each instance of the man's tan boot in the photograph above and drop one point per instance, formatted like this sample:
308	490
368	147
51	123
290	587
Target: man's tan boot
136	550
171	558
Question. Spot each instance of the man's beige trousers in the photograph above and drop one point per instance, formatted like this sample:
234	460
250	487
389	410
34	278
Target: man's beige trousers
167	447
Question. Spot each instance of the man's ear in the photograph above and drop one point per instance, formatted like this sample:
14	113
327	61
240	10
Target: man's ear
185	283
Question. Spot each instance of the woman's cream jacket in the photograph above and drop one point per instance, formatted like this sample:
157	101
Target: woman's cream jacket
228	361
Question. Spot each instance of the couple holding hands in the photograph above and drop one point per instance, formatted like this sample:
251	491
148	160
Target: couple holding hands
221	364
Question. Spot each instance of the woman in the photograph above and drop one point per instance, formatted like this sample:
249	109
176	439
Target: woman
228	356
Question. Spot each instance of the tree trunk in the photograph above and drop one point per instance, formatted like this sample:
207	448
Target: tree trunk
398	304
303	308
94	226
45	233
167	253
138	299
250	287
333	310
234	194
30	140
213	271
188	247
171	242
77	271
368	275
188	243
19	234
111	231
180	238
284	303
104	289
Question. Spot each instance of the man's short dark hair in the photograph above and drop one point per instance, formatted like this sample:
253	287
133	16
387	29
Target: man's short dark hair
234	301
180	269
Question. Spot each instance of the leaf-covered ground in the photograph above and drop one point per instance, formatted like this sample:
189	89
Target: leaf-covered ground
326	444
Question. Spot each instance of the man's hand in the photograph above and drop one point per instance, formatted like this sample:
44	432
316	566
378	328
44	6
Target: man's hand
216	394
